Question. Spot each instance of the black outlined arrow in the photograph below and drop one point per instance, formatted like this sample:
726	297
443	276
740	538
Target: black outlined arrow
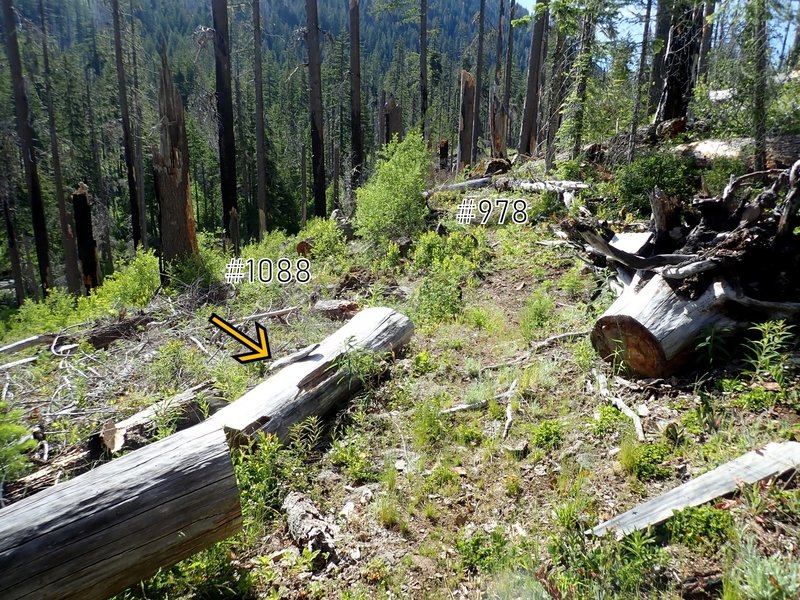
260	349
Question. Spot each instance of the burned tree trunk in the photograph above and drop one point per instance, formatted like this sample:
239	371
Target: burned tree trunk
171	174
67	237
26	137
444	154
466	120
13	253
261	152
476	114
227	142
584	70
509	69
423	67
637	97
356	130
530	116
660	39
381	119
315	105
682	49
84	234
705	40
393	116
558	93
127	137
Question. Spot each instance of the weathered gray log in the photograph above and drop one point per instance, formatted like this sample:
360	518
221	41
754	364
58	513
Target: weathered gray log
307	526
652	330
30	342
773	460
313	385
462	186
103	531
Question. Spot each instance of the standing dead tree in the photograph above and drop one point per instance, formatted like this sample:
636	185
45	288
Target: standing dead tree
84	234
315	106
171	174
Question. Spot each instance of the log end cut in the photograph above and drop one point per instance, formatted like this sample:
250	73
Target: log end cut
623	339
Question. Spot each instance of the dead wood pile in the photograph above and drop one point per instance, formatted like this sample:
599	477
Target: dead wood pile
723	262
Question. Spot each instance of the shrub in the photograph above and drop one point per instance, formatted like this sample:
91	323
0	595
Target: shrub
352	454
759	577
609	420
670	172
484	553
328	241
205	268
719	174
644	461
703	528
548	434
391	205
12	458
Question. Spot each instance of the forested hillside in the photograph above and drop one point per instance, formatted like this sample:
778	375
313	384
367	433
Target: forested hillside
399	298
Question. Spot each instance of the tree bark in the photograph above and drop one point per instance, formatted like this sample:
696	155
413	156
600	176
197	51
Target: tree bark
127	137
660	40
509	70
84	234
13	253
530	115
637	97
705	41
94	535
226	141
261	138
171	174
26	137
498	63
476	115
682	49
356	130
67	237
137	134
558	94
303	186
393	116
423	67
585	66
466	119
315	105
760	42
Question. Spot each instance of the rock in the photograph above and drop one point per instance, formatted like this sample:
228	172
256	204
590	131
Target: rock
337	309
400	464
347	510
517	450
671	128
497	166
642	410
404	244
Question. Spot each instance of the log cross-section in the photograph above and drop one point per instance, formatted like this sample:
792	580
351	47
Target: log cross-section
103	531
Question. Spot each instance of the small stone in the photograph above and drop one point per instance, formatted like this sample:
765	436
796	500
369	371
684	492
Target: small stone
355	553
400	464
366	496
642	410
614	451
347	509
460	471
518	449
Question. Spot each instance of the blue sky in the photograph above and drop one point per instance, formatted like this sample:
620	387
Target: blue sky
527	3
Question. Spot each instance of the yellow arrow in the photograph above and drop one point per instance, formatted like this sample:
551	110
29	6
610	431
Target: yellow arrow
260	349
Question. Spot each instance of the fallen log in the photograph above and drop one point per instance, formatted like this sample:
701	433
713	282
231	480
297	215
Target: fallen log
30	342
316	382
773	460
112	527
307	527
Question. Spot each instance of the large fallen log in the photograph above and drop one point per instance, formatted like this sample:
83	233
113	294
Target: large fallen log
112	527
316	382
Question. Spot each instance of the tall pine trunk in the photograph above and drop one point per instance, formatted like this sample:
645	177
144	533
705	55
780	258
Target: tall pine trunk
558	93
226	141
356	130
584	70
315	106
660	39
637	95
476	116
530	114
137	133
705	41
509	65
760	41
423	67
679	60
261	138
67	231
127	138
171	173
26	137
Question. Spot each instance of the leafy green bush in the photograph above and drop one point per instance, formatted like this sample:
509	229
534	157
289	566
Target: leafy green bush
13	461
131	286
718	176
391	205
328	241
644	461
204	268
670	172
352	454
547	434
703	528
484	553
610	420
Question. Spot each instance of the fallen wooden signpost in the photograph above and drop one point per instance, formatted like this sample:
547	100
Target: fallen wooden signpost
116	525
773	460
